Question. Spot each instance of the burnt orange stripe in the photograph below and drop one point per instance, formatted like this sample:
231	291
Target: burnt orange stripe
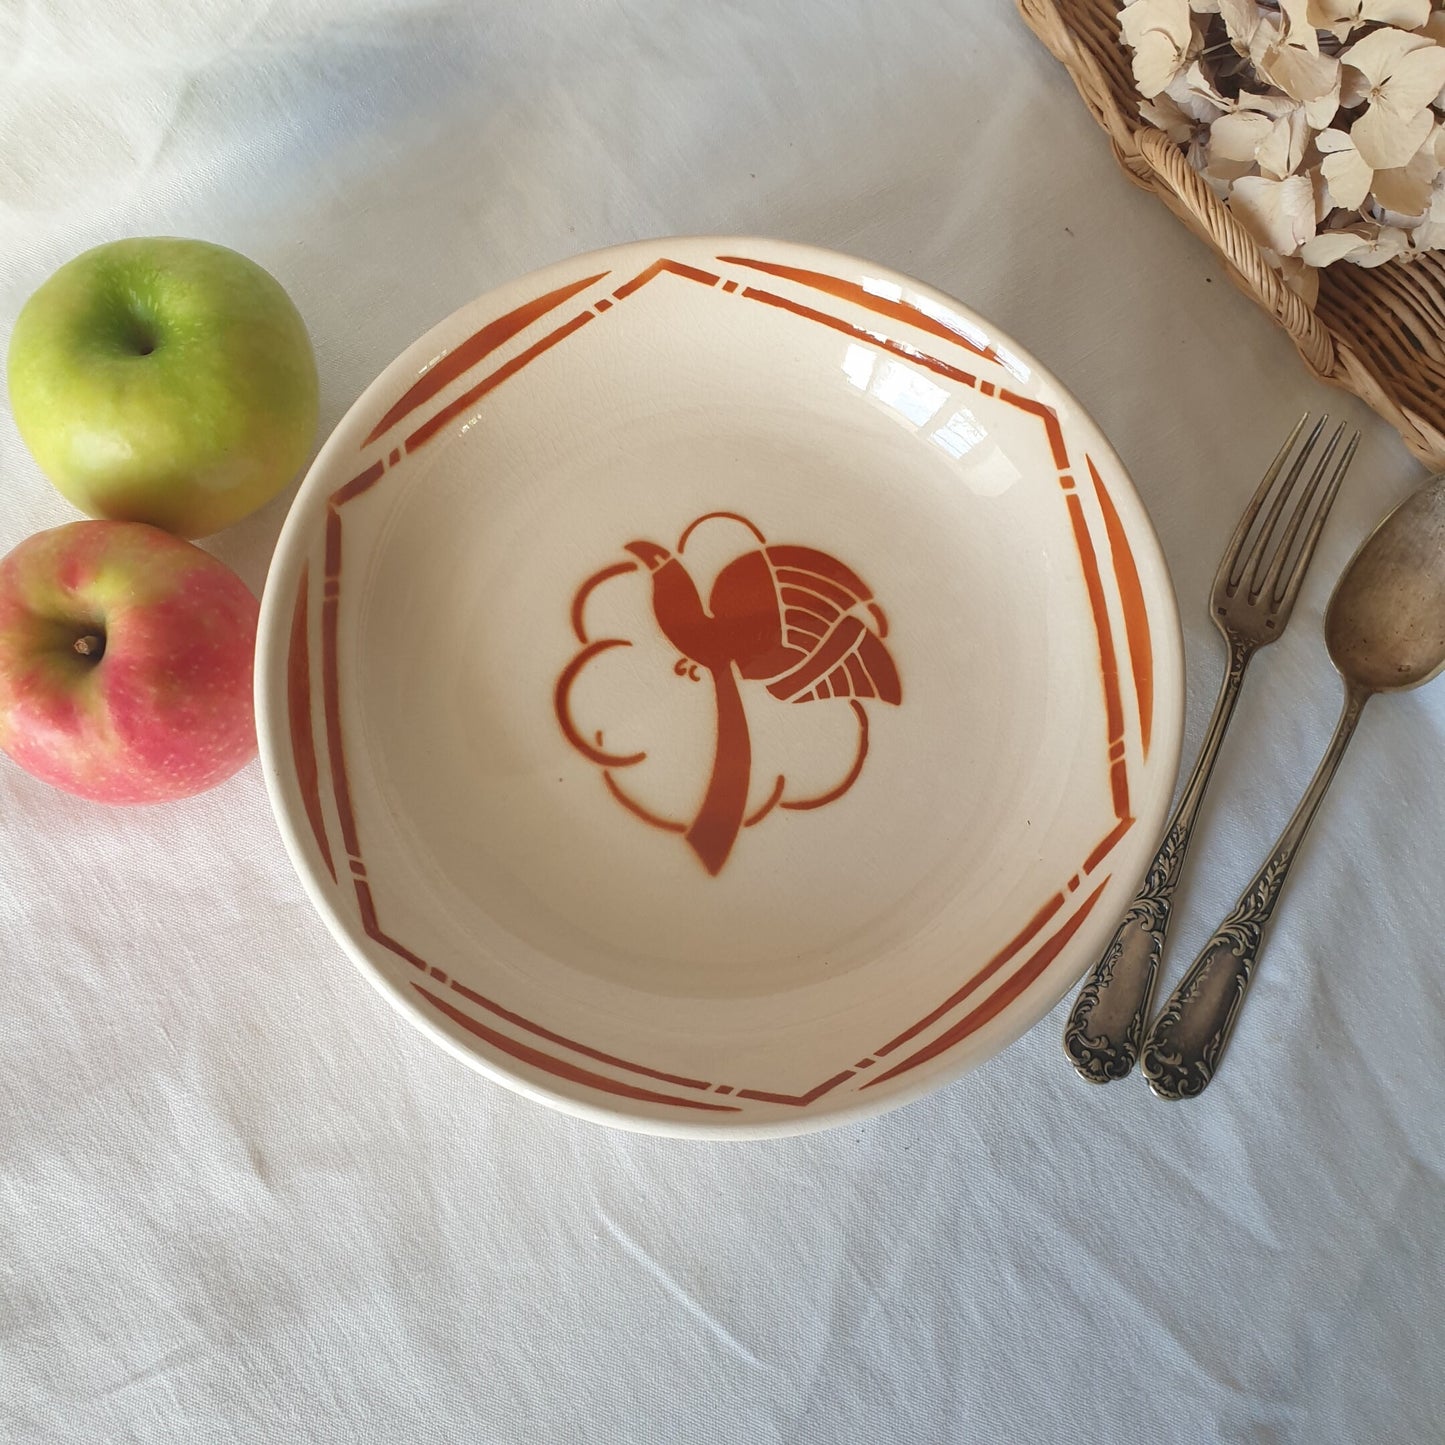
585	591
996	1002
811	585
800	1100
638	811
303	738
774	798
1050	419
804	804
908	354
1119	787
852	291
429	429
333	548
638	281
331	690
1108	661
357	485
696	522
561	705
812	563
797	612
835	647
521	1023
477	347
560	1067
1020	940
367	906
1136	612
677	268
1106	844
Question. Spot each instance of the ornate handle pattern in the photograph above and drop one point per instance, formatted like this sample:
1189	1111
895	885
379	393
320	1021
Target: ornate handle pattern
1106	1025
1188	1038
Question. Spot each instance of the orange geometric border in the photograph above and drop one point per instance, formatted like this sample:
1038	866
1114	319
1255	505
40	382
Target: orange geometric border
463	359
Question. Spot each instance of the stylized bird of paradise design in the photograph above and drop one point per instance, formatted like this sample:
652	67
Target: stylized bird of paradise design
792	618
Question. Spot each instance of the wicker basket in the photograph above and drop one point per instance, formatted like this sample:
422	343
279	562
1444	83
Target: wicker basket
1379	332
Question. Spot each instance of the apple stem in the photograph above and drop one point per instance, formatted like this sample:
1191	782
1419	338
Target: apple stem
90	646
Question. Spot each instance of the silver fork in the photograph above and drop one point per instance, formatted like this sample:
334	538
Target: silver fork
1251	602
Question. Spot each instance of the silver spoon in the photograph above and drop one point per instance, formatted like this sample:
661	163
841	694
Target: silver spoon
1385	631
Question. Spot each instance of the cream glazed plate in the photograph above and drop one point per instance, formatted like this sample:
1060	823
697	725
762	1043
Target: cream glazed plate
719	687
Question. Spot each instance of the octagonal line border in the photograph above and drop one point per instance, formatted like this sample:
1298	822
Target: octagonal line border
466	357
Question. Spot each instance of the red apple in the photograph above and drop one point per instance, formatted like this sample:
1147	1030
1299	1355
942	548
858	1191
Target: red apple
125	663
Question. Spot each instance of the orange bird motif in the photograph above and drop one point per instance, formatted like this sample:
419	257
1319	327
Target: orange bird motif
792	618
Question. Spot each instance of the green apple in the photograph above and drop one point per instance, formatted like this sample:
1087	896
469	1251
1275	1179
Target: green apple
165	381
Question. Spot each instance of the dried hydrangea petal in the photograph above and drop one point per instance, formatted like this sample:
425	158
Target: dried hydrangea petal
1161	35
1280	215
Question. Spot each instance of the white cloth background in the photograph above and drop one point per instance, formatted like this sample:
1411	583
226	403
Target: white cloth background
241	1200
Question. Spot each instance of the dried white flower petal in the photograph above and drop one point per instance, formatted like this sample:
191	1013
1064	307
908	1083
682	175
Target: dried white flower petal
1429	235
1405	73
1389	137
1280	153
1345	170
1340	17
1272	104
1405	190
1303	280
1298	29
1162	36
1241	19
1239	136
1299	72
1403	14
1377	54
1194	95
1363	245
1164	114
1280	215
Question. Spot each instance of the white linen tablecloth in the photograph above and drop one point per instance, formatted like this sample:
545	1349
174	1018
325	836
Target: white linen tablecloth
241	1200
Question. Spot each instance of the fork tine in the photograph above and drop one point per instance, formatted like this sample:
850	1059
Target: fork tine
1292	583
1236	542
1270	581
1255	563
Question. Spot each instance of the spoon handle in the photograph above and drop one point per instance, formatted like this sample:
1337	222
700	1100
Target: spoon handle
1184	1046
1106	1024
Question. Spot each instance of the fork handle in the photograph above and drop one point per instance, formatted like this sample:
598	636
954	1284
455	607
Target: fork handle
1106	1025
1183	1049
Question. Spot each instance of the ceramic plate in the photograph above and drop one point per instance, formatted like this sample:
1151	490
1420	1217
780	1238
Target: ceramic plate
719	687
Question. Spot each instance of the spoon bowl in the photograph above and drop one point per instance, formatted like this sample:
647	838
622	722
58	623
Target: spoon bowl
1385	626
